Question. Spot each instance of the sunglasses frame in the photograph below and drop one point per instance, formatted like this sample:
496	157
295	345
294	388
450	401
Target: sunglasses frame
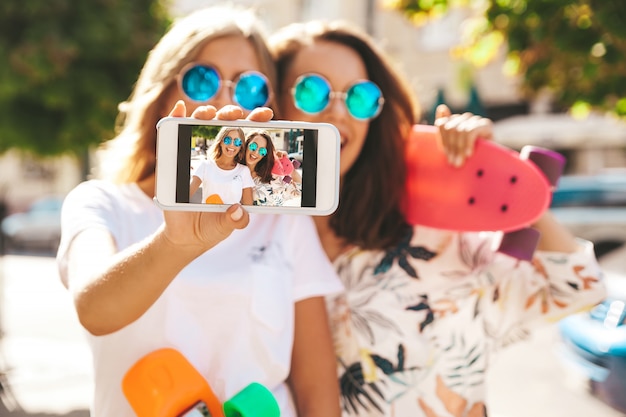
257	148
343	95
233	141
230	84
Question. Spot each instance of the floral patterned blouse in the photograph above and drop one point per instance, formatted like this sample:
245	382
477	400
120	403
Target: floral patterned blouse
417	324
276	192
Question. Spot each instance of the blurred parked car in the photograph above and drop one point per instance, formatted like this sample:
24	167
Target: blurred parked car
39	227
594	343
593	207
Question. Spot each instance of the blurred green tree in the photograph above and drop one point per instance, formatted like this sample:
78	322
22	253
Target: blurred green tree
65	67
576	49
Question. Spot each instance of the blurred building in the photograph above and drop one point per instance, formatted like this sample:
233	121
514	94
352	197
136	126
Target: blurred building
25	178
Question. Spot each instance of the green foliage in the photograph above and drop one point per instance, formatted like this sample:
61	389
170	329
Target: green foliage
65	67
574	48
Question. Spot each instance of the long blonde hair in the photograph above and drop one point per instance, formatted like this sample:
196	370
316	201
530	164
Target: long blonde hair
130	156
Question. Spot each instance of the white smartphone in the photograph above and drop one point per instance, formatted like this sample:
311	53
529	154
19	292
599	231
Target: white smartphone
185	147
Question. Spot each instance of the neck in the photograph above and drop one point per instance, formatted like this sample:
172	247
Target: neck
333	245
147	186
225	162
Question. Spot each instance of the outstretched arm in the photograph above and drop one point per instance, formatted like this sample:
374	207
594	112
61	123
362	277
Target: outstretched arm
112	289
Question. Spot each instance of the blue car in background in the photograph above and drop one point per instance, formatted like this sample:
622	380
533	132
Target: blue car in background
39	227
594	342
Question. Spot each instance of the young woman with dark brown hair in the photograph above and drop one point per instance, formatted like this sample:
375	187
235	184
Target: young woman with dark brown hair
423	308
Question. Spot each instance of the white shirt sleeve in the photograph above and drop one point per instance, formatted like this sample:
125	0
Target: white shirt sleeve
314	274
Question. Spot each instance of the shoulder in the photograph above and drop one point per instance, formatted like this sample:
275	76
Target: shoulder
93	189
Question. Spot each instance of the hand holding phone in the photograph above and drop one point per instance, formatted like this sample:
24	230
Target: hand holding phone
201	166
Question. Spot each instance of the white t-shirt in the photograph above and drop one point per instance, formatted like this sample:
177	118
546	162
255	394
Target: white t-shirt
230	312
228	184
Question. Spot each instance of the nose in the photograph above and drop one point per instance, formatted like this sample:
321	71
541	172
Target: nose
337	107
223	96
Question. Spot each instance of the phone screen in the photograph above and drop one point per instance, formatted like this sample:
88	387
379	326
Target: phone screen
294	177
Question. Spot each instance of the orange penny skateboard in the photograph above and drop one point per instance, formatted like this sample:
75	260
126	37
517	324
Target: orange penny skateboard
497	189
164	384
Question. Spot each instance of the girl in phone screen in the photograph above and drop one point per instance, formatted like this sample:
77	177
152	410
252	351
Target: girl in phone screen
224	180
269	189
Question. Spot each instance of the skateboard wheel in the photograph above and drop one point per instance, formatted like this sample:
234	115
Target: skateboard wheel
520	244
253	401
550	162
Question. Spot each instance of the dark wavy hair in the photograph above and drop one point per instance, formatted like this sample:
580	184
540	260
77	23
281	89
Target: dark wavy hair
264	167
369	213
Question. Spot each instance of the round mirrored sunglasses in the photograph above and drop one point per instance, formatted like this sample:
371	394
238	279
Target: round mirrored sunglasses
312	94
228	140
201	83
253	146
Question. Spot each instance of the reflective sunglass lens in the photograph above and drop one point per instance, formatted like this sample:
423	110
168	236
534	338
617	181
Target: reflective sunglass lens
364	100
251	91
237	142
311	94
254	146
227	140
200	83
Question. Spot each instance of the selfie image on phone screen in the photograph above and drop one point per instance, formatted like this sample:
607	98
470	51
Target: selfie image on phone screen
215	165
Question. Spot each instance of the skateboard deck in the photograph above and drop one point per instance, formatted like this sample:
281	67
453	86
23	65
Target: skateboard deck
164	384
495	190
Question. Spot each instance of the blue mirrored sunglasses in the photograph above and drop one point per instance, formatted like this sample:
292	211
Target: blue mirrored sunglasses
253	146
312	94
228	140
201	83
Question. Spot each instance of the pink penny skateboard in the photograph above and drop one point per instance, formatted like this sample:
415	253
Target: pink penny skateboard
164	384
497	189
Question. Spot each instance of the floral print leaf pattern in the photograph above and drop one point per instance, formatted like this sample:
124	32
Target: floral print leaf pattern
357	394
402	252
404	264
354	390
430	315
419	325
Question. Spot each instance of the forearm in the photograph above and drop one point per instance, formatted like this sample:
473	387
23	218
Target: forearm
313	378
554	236
246	197
111	292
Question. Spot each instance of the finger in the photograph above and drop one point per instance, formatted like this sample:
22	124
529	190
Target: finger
484	129
230	112
454	137
179	110
237	217
261	114
442	111
204	112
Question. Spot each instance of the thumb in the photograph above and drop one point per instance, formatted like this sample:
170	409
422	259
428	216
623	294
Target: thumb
179	110
442	111
237	216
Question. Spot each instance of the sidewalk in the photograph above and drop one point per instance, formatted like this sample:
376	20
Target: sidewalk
43	352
